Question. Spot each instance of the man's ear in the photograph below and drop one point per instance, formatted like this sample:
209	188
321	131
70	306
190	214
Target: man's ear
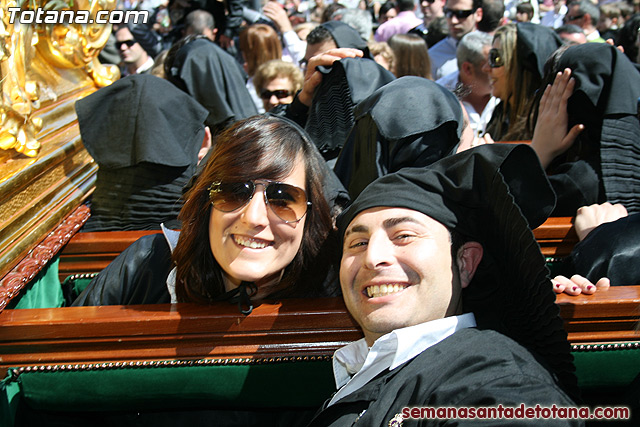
586	15
468	257
478	16
206	144
467	68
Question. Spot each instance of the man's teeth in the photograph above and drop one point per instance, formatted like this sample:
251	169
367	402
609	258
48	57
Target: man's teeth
250	243
383	290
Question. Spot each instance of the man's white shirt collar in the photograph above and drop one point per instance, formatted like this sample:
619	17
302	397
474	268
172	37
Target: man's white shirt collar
355	364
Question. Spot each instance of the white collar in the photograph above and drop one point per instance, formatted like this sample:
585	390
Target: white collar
171	236
144	67
355	364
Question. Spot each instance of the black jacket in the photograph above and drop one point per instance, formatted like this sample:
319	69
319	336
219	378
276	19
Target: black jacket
470	368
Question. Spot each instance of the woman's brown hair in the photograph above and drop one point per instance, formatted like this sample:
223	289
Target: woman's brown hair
261	147
411	56
259	43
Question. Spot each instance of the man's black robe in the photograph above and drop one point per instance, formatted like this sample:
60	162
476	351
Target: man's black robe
468	369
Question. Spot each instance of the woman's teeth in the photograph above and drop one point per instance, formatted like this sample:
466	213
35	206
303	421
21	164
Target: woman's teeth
250	243
383	290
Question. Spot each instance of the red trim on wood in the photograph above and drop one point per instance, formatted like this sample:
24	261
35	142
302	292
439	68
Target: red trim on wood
13	282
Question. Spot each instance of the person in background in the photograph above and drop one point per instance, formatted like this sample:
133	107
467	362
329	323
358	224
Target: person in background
401	24
411	56
610	18
277	82
382	54
492	16
388	10
462	18
294	45
200	22
213	77
516	67
258	43
135	59
524	12
431	9
471	82
555	18
585	15
571	34
147	137
360	20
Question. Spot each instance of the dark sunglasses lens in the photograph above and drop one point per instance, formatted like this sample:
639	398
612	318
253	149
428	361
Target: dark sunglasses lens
460	14
129	43
227	197
287	201
495	58
280	94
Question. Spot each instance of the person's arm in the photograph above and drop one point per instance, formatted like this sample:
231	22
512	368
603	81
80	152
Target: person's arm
587	219
299	108
313	77
296	47
137	276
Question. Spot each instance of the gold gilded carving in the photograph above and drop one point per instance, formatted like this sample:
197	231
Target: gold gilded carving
53	46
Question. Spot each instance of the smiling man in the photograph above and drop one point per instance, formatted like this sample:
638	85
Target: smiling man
441	270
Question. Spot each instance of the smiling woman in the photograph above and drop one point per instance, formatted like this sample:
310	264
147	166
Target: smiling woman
253	226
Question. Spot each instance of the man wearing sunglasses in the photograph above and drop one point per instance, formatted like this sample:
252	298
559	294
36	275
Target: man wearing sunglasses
135	59
462	18
585	15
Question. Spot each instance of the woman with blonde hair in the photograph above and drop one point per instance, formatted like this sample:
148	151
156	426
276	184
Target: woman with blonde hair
515	67
277	82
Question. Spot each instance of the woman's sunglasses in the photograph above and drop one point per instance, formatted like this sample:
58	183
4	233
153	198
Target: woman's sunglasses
495	58
287	201
280	94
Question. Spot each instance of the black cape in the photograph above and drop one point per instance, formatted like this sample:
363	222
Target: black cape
470	368
216	80
346	83
145	135
604	162
611	250
410	122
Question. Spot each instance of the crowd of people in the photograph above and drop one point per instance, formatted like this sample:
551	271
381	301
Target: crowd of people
358	149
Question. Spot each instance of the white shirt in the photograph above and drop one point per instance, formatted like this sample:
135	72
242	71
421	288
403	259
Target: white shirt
355	364
443	57
171	236
477	120
553	19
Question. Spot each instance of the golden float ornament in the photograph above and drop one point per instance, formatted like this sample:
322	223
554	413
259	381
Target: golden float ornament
62	45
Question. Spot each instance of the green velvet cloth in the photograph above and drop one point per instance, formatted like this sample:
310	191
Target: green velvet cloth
606	368
300	384
44	291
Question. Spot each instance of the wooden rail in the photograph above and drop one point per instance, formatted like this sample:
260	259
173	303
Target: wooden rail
297	327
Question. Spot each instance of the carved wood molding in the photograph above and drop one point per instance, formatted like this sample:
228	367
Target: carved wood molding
13	282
